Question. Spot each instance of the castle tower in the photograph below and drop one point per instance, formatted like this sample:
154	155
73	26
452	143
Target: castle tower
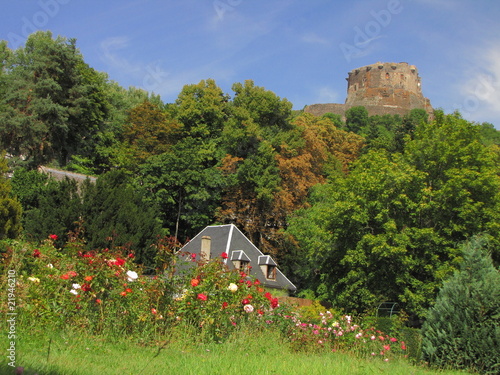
382	88
386	88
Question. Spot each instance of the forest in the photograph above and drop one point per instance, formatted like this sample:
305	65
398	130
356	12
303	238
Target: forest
356	212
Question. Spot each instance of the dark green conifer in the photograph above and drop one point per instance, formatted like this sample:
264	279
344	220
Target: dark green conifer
463	328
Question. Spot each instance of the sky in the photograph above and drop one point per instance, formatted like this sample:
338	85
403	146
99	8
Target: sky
301	50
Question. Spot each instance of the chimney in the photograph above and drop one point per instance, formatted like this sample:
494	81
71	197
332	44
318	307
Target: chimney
205	248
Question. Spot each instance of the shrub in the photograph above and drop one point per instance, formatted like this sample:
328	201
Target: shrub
463	328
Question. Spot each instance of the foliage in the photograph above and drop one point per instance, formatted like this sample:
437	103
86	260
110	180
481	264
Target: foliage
462	329
149	131
52	104
388	230
356	118
115	214
10	207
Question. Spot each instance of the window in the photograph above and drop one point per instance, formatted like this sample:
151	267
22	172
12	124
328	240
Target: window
271	272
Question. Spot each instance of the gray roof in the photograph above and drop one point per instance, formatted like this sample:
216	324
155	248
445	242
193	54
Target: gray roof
229	239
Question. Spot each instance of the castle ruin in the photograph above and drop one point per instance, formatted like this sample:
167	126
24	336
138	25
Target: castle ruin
382	88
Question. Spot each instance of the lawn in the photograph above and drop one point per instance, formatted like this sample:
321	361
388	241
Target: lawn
66	353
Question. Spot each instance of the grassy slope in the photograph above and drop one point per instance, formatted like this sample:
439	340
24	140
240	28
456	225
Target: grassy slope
77	355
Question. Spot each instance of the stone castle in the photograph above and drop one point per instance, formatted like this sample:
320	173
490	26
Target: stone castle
382	88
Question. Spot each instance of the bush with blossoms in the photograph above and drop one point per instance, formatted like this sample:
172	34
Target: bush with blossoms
340	333
216	300
99	291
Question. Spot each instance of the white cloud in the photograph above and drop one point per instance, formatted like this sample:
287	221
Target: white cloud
481	90
314	38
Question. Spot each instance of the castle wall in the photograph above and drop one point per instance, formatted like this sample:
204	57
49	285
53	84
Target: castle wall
382	88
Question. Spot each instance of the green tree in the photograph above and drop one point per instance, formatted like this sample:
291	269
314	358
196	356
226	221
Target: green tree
462	329
52	106
388	230
202	109
149	131
57	209
10	208
185	183
356	118
116	214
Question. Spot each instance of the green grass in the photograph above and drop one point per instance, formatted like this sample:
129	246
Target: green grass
245	353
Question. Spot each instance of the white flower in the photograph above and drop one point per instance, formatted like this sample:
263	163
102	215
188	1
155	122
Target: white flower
132	276
50	265
34	279
76	286
248	308
73	292
232	287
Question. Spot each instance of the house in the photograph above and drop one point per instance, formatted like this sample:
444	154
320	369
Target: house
242	254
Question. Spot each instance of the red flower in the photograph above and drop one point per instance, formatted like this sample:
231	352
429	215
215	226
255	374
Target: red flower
393	339
65	276
153	311
119	262
256	282
387	347
243	274
98	301
85	287
224	305
268	296
72	273
245	302
123	294
195	282
53	237
202	296
193	257
274	303
249	283
128	290
37	253
403	346
260	312
88	278
131	256
224	255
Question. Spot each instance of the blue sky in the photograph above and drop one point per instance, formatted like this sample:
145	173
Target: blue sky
301	50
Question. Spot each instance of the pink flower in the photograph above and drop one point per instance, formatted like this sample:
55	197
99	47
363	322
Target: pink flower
393	339
387	347
153	311
202	297
53	237
403	346
193	257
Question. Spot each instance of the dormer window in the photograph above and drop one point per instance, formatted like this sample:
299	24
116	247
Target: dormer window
268	267
240	261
